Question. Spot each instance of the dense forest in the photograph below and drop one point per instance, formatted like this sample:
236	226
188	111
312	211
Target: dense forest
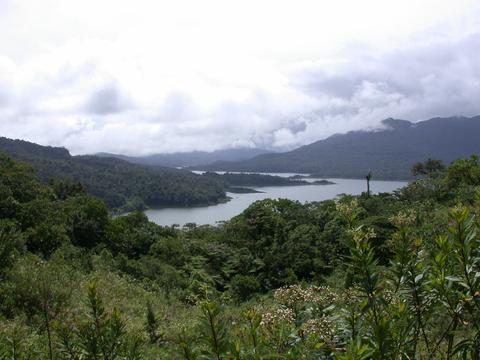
387	276
119	183
246	179
388	152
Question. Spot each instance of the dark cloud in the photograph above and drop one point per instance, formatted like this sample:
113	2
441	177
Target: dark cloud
297	126
107	100
316	82
438	79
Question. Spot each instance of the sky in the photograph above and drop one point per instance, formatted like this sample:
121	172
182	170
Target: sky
142	77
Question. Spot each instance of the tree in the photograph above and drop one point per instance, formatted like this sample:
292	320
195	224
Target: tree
88	220
151	324
244	286
64	189
427	167
99	334
368	177
464	172
11	243
41	290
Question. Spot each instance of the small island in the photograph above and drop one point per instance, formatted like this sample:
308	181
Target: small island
299	177
316	182
323	182
253	180
243	183
242	190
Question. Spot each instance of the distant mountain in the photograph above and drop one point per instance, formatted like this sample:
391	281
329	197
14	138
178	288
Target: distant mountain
118	182
389	153
193	158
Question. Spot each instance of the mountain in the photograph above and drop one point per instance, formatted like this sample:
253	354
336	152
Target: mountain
389	153
118	182
194	158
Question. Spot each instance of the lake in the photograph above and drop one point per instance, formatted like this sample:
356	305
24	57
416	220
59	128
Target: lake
239	202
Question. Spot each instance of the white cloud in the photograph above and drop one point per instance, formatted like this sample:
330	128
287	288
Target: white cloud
176	76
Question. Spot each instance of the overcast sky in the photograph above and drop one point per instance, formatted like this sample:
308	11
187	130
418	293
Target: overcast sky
140	77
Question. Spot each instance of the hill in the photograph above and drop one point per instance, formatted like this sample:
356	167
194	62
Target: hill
388	153
194	158
118	182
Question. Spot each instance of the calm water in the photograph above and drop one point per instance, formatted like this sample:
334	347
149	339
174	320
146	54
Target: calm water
239	202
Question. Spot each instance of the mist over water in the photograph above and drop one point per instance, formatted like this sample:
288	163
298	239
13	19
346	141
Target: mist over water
239	202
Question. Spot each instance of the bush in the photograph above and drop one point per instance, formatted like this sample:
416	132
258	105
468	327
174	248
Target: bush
244	286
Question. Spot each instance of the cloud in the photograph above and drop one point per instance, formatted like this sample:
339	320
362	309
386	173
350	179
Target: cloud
107	100
3	98
182	84
441	79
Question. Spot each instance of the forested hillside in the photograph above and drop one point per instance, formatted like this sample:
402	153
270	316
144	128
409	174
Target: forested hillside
119	183
193	158
388	276
388	153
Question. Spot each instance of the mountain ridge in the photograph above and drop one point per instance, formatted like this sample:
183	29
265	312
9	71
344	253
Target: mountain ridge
191	158
389	152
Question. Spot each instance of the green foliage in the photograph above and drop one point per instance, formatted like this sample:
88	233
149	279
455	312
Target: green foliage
11	244
151	324
427	167
212	327
45	238
98	334
244	286
88	220
120	184
402	273
18	341
66	189
17	182
40	290
464	172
